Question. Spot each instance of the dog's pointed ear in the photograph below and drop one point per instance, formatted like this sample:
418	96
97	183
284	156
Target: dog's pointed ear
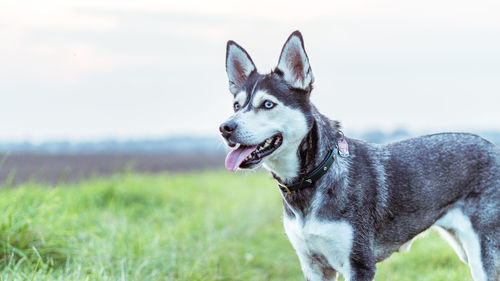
239	66
293	64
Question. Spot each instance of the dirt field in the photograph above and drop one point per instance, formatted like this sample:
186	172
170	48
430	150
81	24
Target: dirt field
18	168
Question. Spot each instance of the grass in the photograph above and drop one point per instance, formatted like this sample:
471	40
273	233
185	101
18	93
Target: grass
204	226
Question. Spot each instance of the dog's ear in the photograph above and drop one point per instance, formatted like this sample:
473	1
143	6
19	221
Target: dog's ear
239	66
293	64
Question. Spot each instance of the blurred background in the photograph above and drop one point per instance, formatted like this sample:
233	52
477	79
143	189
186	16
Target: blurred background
95	87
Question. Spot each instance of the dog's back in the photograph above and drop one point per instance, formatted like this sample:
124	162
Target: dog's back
446	166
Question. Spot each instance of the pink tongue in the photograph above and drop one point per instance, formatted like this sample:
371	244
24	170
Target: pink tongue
235	157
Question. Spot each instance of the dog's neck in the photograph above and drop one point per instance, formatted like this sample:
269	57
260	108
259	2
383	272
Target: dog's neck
318	143
309	153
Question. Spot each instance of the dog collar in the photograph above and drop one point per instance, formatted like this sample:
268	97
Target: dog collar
313	176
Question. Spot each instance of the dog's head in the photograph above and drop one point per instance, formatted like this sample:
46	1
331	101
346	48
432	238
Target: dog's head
271	111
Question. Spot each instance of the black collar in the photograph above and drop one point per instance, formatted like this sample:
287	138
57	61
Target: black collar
312	177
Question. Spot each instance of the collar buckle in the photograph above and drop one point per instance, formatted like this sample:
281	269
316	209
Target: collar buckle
284	188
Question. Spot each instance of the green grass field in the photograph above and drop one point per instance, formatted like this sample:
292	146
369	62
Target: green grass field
199	226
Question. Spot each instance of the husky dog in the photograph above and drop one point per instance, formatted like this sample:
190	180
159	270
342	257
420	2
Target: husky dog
349	204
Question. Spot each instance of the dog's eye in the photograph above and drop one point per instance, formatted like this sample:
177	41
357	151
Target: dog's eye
236	106
268	104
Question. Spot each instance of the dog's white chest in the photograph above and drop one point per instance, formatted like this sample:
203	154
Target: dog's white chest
329	239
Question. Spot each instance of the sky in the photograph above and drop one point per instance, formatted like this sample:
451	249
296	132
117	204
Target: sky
89	70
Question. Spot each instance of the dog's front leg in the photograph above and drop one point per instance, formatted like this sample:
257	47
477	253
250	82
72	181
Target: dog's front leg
362	271
316	268
362	259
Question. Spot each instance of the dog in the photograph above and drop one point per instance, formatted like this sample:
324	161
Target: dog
349	204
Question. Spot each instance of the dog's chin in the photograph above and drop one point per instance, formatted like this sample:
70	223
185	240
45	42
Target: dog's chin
263	150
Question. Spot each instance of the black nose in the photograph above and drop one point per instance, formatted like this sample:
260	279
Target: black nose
227	128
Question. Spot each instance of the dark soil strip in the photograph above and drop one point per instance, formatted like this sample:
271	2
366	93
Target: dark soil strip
54	169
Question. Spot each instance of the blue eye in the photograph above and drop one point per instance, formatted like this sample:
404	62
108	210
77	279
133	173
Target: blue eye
236	106
268	104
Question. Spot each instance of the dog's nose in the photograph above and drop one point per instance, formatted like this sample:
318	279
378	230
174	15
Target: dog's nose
227	128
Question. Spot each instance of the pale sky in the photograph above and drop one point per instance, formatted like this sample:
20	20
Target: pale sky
85	70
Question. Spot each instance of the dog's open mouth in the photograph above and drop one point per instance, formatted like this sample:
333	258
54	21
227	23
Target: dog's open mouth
247	156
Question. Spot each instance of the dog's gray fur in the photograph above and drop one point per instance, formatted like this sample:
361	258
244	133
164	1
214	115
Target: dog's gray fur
376	200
